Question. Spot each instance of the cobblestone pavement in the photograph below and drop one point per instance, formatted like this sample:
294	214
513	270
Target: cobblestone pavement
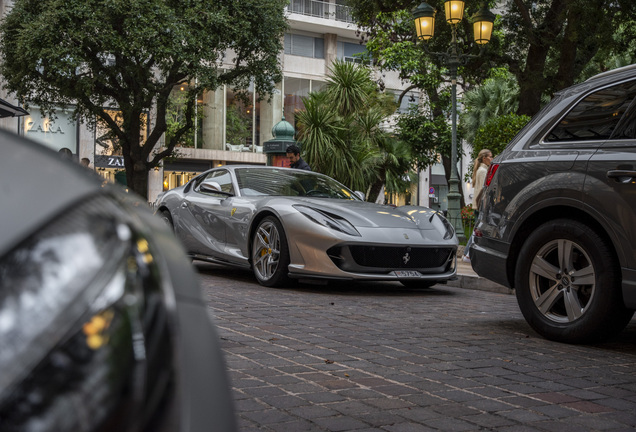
379	357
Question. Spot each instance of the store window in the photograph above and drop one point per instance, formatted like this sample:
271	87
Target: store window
176	117
242	116
109	162
173	179
304	46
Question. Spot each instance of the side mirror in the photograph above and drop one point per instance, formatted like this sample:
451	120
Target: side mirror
210	187
213	188
360	195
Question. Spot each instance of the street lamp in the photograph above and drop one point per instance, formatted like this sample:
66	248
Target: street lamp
424	17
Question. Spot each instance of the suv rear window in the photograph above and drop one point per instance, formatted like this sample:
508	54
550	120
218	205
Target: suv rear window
597	116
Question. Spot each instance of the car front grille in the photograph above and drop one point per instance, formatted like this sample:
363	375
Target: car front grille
386	258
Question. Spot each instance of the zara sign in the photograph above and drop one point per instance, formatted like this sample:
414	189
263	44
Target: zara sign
57	133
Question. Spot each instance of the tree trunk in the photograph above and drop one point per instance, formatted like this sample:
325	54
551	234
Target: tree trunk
532	82
374	191
139	180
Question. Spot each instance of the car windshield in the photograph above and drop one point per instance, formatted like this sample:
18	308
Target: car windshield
286	182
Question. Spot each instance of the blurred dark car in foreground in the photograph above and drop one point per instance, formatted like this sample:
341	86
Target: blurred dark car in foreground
292	224
102	326
558	218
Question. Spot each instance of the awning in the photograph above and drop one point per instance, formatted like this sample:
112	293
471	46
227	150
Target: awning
438	180
8	110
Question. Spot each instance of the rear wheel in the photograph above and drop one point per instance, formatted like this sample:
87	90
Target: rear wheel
421	284
568	284
270	253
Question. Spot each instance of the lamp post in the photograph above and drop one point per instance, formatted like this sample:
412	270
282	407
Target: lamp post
424	17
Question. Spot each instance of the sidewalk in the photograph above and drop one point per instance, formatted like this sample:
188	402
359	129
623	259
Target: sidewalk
467	278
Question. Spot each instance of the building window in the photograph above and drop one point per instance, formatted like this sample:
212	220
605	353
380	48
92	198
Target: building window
295	90
410	100
353	52
304	46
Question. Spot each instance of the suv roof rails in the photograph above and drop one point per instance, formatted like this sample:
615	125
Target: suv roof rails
613	71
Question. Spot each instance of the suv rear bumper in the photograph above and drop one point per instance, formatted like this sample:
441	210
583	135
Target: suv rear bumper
490	263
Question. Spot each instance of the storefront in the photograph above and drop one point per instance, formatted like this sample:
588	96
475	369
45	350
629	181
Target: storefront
180	172
58	134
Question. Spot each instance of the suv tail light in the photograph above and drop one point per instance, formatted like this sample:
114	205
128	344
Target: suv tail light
491	173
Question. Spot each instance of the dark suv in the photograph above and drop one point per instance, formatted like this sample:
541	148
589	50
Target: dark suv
558	219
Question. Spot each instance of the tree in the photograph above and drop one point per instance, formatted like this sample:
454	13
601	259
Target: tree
129	54
546	44
176	118
497	96
341	134
390	37
498	132
550	42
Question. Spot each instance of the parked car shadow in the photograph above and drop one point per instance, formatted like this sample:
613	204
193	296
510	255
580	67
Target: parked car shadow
368	288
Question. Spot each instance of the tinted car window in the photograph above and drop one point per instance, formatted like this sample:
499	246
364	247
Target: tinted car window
597	116
255	182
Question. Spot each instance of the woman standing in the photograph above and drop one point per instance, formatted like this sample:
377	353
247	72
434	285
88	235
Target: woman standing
480	169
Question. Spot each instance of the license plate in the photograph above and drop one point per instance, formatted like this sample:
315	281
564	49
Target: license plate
407	273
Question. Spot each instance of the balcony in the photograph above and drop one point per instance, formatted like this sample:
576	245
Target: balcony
321	9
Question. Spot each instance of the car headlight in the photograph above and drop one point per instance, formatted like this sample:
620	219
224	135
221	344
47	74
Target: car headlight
443	225
80	317
328	220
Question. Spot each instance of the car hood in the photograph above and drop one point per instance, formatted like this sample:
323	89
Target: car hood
366	214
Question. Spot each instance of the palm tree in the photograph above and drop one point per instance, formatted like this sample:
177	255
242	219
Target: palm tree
341	134
496	97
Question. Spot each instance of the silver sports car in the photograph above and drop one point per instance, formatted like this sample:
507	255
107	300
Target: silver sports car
293	224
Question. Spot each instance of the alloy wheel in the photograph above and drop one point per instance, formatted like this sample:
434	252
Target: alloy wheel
562	281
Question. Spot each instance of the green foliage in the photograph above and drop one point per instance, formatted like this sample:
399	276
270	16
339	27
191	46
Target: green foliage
495	97
427	136
546	44
128	55
176	118
550	43
497	133
341	134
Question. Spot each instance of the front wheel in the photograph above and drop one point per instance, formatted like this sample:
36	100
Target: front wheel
270	253
567	284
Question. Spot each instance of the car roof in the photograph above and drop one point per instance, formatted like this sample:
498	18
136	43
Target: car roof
629	70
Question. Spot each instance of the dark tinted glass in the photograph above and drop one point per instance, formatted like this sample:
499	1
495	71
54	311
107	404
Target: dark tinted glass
286	182
597	116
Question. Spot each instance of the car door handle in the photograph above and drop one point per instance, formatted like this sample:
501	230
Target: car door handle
623	176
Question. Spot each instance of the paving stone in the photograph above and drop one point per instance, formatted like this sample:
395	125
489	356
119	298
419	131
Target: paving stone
341	423
450	424
377	357
488	421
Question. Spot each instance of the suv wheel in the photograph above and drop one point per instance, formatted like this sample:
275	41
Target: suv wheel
568	284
